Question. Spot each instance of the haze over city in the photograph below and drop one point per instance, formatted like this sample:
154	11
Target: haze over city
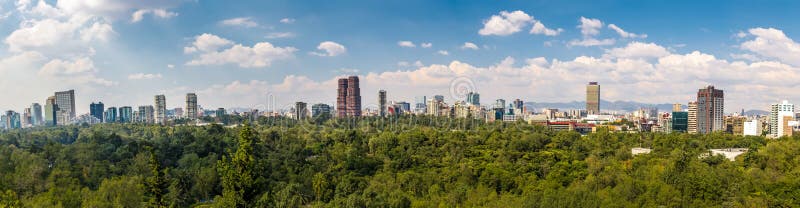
239	54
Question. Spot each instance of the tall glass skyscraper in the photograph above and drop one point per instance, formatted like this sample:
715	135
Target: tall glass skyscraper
96	110
36	117
125	114
110	115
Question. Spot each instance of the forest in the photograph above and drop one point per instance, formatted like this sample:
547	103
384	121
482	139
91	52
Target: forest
412	161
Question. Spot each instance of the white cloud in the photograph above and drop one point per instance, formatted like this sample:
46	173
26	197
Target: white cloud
138	15
590	27
171	66
207	43
639	50
505	23
773	43
98	31
469	45
62	67
53	35
278	35
443	52
330	48
624	34
239	21
139	76
287	21
426	45
261	54
539	28
80	71
406	44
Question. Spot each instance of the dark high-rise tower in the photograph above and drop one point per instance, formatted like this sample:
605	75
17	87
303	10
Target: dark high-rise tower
382	102
348	99
710	105
341	98
353	97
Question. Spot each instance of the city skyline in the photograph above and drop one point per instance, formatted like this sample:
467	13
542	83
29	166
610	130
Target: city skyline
508	50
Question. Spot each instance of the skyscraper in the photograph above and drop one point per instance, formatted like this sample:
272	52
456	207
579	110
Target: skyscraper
26	117
353	96
500	103
779	116
161	109
220	113
692	118
320	109
65	101
382	102
592	98
341	98
191	106
50	111
110	115
348	99
473	98
710	105
419	105
125	114
12	120
518	104
146	114
438	98
300	110
96	110
680	121
36	117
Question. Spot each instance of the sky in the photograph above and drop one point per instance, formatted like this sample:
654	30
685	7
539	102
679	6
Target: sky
270	54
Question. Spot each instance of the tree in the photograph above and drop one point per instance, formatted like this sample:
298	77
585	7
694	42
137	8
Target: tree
236	172
156	183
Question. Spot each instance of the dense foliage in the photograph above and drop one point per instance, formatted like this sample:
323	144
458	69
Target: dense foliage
397	162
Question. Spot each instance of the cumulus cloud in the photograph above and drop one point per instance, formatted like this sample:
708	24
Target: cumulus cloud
590	26
426	45
406	44
159	13
211	52
80	70
622	33
240	21
638	50
139	76
469	45
443	52
207	43
48	35
539	28
773	43
330	48
507	23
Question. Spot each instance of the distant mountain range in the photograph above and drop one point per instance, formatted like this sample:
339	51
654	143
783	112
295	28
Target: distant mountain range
625	106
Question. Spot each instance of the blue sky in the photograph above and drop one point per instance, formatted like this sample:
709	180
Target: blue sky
123	53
